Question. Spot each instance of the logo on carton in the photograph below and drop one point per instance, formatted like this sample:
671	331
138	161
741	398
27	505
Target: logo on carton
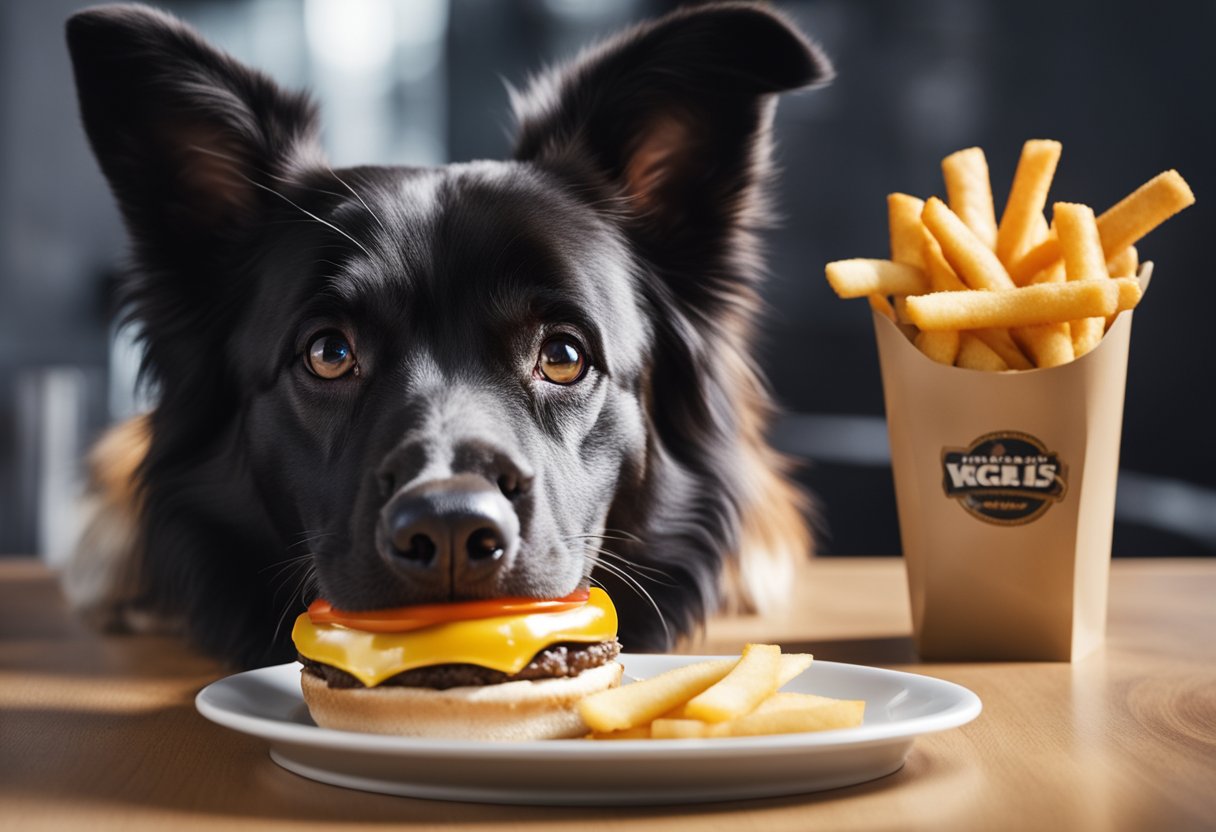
1007	478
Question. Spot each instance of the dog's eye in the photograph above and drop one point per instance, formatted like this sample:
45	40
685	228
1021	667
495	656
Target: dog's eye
561	360
330	355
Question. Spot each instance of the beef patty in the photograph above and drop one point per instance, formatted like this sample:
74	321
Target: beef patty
553	662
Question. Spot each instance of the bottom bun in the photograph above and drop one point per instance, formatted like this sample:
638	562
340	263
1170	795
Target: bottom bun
544	709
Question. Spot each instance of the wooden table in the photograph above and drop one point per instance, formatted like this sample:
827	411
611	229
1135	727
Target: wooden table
101	732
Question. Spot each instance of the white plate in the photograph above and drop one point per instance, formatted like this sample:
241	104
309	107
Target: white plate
899	707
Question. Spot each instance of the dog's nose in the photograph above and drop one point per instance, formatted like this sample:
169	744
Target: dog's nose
460	530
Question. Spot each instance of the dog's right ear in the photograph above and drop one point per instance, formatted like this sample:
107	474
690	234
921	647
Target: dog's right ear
188	138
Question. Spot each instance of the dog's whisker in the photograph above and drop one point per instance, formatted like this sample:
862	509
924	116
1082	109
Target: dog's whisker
304	579
624	561
235	162
664	578
633	584
306	212
358	197
311	539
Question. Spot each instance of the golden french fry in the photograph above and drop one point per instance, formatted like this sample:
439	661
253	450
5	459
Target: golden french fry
971	260
787	713
687	729
1083	260
1121	225
1124	264
1129	296
900	304
1002	343
641	732
941	277
882	306
1052	274
1086	334
1129	293
969	192
752	680
1025	306
1027	196
974	354
860	277
903	221
1039	229
781	713
1144	209
941	346
1080	242
640	702
1048	345
790	666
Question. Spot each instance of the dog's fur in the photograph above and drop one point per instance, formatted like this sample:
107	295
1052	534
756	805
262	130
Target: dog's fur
626	220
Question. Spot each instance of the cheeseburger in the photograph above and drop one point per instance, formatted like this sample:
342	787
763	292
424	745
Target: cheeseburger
502	669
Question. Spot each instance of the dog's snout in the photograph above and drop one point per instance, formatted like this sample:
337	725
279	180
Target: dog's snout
456	532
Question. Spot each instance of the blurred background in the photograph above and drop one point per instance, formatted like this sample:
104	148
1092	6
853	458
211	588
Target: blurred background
1130	89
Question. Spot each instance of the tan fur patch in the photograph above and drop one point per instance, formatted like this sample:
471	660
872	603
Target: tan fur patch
100	580
774	531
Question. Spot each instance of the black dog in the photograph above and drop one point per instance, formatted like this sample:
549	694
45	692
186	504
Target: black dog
486	379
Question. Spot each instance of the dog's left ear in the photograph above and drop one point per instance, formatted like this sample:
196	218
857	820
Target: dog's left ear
189	139
673	116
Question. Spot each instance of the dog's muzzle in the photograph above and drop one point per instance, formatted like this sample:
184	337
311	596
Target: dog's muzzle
448	533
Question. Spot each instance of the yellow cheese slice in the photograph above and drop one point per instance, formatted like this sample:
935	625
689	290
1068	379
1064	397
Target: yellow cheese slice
506	643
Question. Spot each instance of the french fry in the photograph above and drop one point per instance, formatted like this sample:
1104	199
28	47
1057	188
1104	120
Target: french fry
1002	343
1052	274
1080	242
882	306
686	729
971	260
781	713
640	732
1027	196
1121	225
860	277
941	346
1124	264
752	680
639	703
941	277
974	354
1129	293
969	192
791	666
904	225
1024	306
1048	345
1083	260
1086	334
787	713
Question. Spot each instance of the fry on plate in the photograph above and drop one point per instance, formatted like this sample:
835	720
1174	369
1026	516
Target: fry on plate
639	703
748	684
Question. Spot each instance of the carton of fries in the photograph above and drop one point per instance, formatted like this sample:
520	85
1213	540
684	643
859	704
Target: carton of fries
1003	349
1005	487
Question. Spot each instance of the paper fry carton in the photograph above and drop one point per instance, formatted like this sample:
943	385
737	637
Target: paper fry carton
1005	487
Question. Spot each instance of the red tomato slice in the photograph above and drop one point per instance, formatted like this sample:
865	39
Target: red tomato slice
404	619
